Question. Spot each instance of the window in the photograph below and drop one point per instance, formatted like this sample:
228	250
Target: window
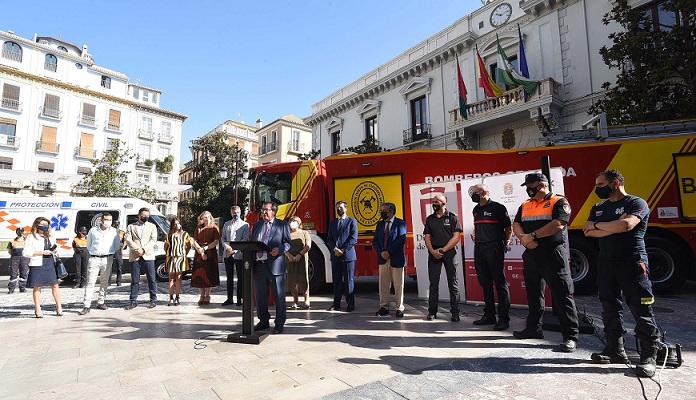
12	51
166	128
5	163
46	166
8	127
295	144
335	142
86	148
163	152
63	48
264	144
51	107
162	180
144	151
147	124
83	170
658	18
154	98
146	95
50	63
106	82
48	142
480	24
274	141
111	143
88	116
371	128
89	218
275	187
419	116
136	93
493	70
10	97
78	65
114	123
143	178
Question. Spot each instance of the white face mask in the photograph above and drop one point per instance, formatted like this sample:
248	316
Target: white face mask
106	224
294	225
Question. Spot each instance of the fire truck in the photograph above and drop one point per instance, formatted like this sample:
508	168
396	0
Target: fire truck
659	167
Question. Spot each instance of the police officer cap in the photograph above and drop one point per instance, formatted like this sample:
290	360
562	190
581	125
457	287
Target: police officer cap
534	177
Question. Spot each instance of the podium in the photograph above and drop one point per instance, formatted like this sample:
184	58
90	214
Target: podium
248	335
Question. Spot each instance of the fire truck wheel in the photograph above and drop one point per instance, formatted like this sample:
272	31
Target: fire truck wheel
317	279
666	266
583	264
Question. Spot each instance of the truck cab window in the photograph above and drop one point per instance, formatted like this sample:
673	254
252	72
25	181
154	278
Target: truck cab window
90	218
275	187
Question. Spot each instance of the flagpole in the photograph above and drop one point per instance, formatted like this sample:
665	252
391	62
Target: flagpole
444	108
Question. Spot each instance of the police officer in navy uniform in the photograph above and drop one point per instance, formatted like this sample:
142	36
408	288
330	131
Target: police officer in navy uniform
619	223
492	233
539	225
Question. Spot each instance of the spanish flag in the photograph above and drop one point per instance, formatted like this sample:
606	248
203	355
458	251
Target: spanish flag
485	81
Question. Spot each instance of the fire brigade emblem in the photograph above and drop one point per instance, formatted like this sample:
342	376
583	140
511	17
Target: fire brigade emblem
365	202
507	189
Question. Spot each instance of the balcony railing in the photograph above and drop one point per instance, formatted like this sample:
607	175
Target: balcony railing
51	66
11	184
11	104
51	112
112	126
80	189
141	163
165	138
11	142
296	147
146	134
44	185
88	120
508	101
269	147
47	147
417	134
85	152
12	54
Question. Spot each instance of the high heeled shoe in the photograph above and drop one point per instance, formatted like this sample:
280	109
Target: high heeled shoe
59	313
38	314
176	300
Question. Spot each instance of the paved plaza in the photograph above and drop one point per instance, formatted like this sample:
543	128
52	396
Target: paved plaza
179	353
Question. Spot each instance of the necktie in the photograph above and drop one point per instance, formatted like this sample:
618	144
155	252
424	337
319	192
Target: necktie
386	234
264	238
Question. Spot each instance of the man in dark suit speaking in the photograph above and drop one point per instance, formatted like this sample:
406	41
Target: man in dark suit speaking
270	266
342	237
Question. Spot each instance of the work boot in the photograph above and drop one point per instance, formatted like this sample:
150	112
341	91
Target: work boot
528	334
485	320
613	353
647	364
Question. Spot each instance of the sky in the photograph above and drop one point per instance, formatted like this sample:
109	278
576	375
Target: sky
220	60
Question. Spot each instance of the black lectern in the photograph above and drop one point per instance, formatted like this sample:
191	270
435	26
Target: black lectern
248	335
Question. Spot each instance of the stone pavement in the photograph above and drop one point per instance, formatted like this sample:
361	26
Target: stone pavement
178	353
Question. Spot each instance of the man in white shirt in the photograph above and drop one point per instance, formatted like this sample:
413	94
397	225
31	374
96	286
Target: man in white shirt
102	243
234	230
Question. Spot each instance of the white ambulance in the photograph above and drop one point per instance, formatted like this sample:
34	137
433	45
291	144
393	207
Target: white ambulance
67	215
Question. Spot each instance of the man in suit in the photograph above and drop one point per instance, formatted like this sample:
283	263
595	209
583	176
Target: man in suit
388	242
141	238
342	237
270	266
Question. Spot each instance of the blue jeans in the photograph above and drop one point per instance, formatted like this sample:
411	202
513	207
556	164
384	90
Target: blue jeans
149	266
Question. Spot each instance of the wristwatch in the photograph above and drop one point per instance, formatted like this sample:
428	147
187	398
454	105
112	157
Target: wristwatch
534	235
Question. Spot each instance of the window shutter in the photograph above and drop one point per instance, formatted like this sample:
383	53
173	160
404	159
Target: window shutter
52	102
48	134
89	110
115	117
10	92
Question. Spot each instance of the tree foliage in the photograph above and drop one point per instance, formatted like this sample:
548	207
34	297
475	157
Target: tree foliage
656	65
312	155
108	179
369	145
218	177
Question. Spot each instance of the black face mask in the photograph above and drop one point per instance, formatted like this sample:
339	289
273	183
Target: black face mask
532	191
384	215
476	198
437	207
603	192
340	211
142	219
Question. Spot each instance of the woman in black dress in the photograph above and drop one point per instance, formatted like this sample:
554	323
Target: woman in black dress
42	267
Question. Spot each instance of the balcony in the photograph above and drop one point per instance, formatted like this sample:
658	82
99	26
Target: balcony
165	138
87	120
50	66
510	102
146	134
112	126
80	189
10	54
144	164
47	147
51	112
297	147
11	184
269	148
11	104
416	135
9	142
85	152
45	185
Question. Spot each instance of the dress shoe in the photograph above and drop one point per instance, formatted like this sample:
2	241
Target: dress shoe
382	312
22	290
131	305
77	286
399	314
102	306
278	329
350	308
334	308
568	346
485	320
431	317
455	317
10	291
84	311
501	325
528	334
152	304
261	326
239	304
227	302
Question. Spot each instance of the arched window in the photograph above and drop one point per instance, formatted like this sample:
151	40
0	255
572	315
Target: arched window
63	48
50	62
12	51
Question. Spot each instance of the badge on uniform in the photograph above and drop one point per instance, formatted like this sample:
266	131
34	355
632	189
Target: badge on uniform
447	221
598	213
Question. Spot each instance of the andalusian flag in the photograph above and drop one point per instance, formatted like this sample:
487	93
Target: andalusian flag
506	73
462	91
485	81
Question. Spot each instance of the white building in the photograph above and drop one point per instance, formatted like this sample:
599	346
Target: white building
283	140
59	110
412	100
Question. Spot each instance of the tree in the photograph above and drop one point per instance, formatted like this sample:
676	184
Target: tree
369	145
312	155
108	179
656	64
218	176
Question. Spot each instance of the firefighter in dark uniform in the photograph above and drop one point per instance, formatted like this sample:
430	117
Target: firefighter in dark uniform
19	265
619	223
539	225
492	233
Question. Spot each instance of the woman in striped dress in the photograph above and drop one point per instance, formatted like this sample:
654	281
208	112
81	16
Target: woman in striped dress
176	246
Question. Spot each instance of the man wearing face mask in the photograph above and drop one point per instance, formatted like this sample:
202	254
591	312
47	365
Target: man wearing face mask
442	233
234	230
102	243
492	233
141	238
619	223
539	225
388	242
342	237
